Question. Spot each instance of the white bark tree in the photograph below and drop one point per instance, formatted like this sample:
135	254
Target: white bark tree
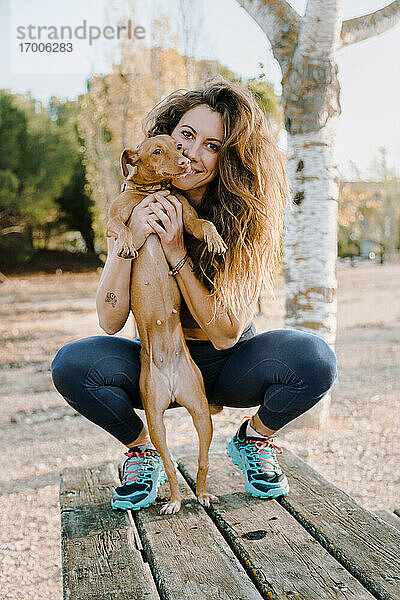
305	47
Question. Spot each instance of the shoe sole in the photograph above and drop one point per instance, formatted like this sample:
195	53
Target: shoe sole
274	492
117	502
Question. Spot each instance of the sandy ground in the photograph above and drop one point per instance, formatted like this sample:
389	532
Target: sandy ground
40	434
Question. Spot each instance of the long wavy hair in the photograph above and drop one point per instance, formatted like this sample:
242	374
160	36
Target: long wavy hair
246	199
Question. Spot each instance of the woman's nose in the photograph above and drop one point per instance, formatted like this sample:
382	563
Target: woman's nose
192	151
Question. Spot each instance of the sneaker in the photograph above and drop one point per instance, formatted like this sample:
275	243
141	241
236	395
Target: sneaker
256	457
141	475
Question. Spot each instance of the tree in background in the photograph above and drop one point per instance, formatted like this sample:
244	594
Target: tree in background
387	219
13	141
74	201
370	210
305	48
76	206
40	164
34	167
190	22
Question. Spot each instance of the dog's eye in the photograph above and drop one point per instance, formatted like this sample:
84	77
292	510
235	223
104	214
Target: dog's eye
157	151
179	146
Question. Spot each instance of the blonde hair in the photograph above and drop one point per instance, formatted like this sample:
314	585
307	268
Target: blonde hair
246	200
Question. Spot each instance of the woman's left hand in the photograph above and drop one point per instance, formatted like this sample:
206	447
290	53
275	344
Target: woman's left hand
170	231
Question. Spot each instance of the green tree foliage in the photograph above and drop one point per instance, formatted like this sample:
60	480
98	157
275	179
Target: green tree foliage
14	135
13	144
76	205
42	181
75	201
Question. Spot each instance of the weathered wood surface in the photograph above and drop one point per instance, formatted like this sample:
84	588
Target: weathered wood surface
188	556
357	538
389	517
100	558
279	555
249	549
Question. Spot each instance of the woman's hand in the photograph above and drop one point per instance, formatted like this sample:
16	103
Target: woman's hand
137	222
170	231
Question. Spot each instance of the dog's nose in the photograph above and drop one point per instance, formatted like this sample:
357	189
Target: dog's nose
182	162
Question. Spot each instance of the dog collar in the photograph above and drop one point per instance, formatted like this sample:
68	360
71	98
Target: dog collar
145	188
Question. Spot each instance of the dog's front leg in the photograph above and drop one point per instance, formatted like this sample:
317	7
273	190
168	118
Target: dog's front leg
120	211
203	230
126	248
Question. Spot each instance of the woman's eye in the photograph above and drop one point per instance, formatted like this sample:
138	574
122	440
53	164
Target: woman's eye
214	146
188	132
157	151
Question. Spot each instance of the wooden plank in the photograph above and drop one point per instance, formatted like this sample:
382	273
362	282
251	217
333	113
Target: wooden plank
358	539
389	517
282	559
188	556
99	555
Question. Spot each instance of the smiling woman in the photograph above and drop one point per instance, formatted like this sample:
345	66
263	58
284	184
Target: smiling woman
237	181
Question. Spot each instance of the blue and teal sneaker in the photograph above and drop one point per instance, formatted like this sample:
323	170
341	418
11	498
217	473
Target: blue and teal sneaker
142	473
256	457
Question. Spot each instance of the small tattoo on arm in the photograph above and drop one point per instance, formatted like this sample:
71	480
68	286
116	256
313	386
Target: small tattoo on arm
111	299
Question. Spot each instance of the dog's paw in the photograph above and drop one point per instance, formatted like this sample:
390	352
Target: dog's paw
214	241
171	508
206	499
126	251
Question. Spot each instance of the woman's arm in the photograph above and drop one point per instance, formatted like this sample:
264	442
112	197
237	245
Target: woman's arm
113	292
225	329
112	297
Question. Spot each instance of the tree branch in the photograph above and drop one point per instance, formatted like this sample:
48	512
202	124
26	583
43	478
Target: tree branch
367	26
279	21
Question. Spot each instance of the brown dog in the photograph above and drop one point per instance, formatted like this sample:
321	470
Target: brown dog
168	372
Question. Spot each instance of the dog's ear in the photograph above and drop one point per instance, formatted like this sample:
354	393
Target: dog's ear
129	157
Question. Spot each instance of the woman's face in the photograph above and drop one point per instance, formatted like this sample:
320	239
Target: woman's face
200	131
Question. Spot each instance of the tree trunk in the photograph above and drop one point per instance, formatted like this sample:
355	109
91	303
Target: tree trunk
311	233
311	244
305	48
311	99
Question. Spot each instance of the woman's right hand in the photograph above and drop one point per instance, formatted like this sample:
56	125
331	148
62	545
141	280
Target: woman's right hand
140	214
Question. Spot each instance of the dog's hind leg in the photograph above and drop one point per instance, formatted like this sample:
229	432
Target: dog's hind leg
156	398
191	394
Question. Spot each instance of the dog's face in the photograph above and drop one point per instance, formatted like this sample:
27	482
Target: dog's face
157	158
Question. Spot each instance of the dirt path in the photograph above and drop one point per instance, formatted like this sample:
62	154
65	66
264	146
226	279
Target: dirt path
40	434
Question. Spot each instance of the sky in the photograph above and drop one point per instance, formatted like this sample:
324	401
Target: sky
369	72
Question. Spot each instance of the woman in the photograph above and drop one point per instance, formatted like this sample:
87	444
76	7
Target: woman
238	182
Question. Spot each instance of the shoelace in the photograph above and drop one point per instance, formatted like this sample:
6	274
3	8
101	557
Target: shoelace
260	453
133	468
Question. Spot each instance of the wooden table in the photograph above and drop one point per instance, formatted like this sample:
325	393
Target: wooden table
316	543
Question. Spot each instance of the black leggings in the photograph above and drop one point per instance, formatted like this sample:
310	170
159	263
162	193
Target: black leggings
284	371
